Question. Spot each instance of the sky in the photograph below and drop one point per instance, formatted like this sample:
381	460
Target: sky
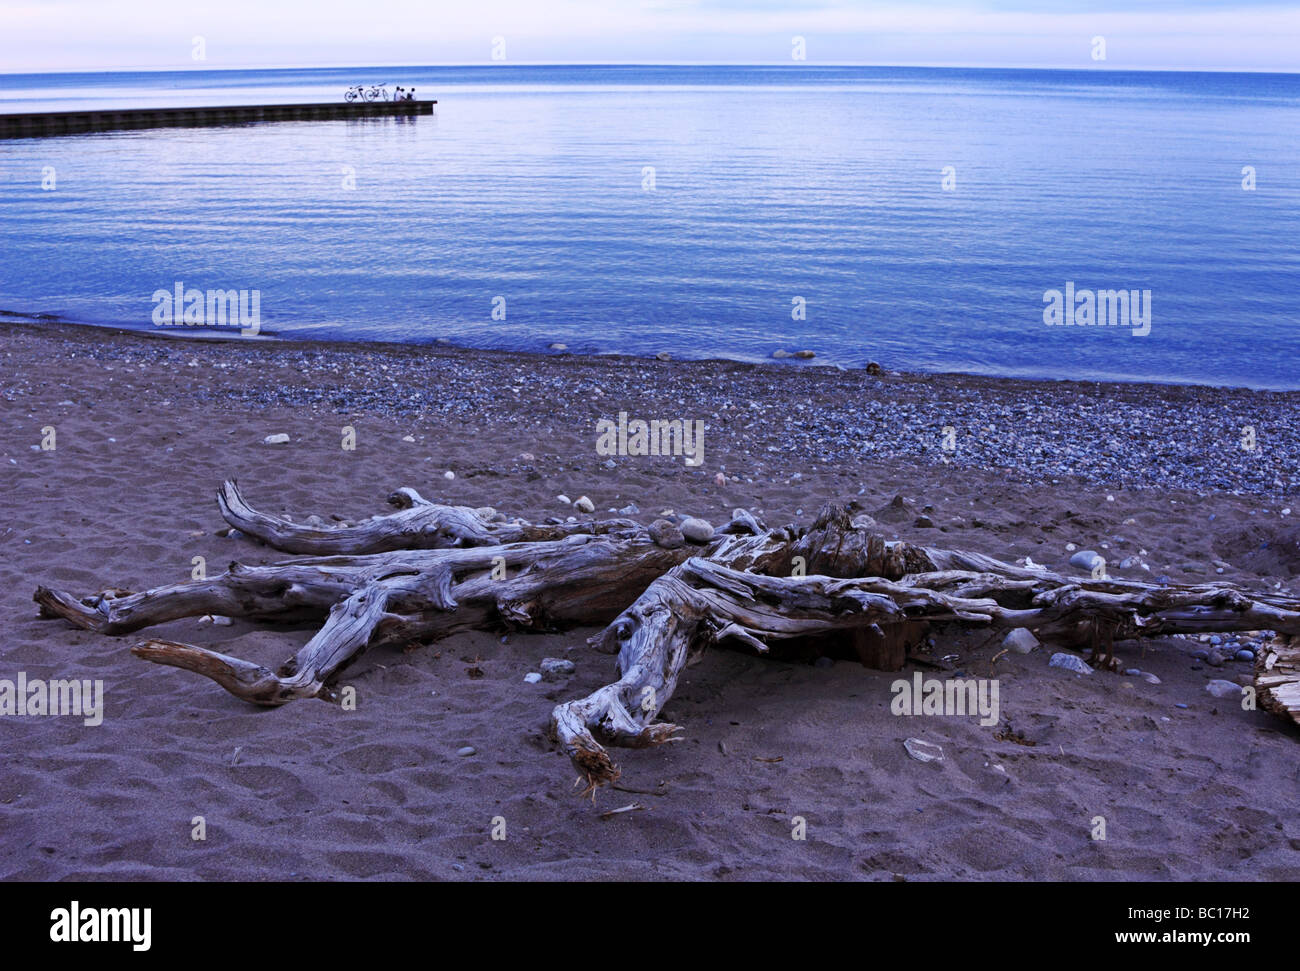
83	35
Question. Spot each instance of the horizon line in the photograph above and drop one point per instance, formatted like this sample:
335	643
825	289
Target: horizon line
635	64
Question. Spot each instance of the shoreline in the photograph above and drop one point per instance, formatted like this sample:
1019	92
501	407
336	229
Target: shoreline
1120	434
15	320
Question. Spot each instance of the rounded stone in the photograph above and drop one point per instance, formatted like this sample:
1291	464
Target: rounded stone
697	530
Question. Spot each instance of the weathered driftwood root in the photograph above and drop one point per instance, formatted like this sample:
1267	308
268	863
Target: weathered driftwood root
380	599
702	602
419	525
428	571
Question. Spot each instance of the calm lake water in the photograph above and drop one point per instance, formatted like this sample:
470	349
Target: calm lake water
639	209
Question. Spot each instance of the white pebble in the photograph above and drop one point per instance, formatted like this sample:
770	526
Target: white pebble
1020	640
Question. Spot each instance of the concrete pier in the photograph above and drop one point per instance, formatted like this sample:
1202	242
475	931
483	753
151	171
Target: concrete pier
39	124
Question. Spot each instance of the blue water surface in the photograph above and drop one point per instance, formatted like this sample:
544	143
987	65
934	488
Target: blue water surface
638	209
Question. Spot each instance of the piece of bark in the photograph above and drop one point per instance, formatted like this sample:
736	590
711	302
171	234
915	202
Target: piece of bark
887	649
1277	677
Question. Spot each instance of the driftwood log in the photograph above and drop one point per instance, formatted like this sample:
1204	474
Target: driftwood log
430	570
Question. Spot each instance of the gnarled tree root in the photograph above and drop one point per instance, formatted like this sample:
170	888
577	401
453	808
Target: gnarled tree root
428	571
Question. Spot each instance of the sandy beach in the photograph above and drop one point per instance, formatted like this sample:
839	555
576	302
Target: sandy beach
1155	477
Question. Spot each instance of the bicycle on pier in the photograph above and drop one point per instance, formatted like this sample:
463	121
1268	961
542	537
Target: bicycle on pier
359	92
